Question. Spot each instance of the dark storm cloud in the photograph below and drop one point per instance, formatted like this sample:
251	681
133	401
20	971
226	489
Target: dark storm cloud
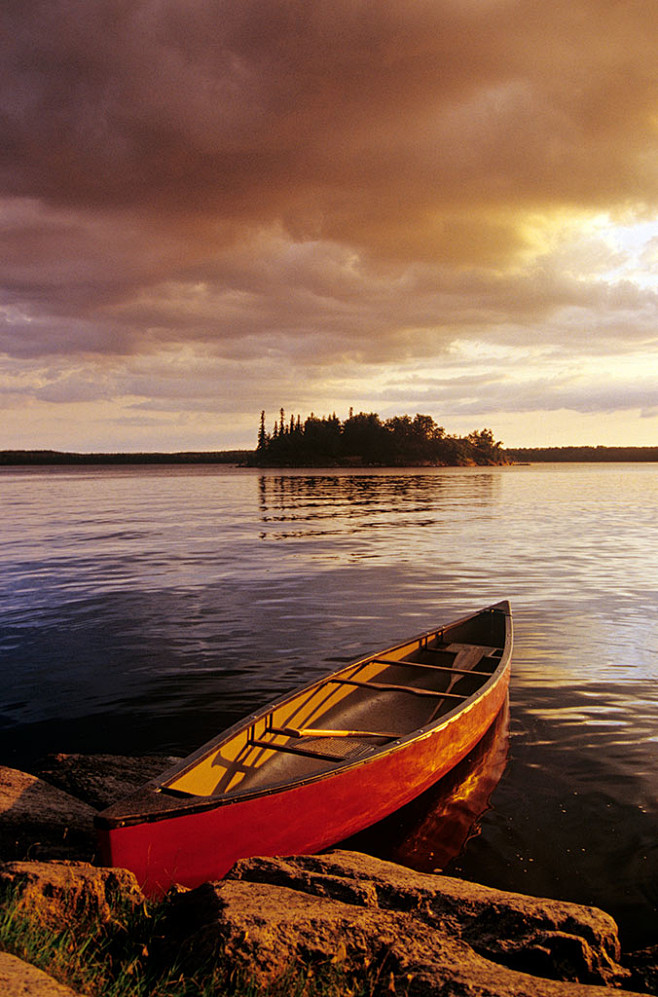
340	120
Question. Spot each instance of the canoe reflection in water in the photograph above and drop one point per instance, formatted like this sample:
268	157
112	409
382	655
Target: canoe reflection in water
433	829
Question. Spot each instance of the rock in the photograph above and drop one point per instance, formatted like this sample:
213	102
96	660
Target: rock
643	965
55	894
20	979
545	936
416	933
101	780
40	821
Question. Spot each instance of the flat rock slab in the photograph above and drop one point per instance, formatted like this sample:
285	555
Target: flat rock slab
100	780
20	979
38	820
414	933
546	936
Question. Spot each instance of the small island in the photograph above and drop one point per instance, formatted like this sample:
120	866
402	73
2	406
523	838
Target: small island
363	440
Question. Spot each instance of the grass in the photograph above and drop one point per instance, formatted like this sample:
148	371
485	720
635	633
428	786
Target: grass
112	958
127	955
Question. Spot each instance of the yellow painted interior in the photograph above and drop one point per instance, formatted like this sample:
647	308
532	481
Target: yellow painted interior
225	767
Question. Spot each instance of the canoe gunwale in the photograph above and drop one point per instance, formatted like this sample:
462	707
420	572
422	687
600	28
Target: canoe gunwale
158	801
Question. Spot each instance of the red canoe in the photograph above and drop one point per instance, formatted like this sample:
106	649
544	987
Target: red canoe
320	764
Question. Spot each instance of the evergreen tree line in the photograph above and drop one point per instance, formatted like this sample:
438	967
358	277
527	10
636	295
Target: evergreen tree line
365	439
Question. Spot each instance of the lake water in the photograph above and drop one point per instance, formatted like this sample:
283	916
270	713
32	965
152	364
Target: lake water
143	609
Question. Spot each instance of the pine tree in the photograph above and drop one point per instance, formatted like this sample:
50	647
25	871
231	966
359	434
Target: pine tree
262	435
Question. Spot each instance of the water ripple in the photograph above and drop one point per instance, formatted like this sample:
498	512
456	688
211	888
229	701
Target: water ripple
143	609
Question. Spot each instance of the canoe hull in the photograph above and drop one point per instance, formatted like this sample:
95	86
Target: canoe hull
192	848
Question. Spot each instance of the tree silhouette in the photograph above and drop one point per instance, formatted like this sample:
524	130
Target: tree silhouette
363	439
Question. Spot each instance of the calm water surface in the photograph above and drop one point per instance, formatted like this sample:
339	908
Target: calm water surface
143	609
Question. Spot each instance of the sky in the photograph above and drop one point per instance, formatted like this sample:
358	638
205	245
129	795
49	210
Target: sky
213	207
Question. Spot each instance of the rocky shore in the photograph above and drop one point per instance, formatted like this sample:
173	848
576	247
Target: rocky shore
390	929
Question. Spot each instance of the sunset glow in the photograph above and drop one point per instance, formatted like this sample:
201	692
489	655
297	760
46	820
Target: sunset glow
435	206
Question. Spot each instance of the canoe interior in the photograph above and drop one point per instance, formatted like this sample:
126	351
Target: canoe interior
352	714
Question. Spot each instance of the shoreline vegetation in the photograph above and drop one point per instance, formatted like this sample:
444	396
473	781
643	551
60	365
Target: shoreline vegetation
245	458
46	458
362	440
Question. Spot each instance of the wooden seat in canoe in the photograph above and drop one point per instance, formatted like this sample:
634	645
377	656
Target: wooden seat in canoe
341	751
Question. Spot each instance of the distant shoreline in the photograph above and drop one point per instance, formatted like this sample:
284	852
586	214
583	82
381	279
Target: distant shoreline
582	454
515	455
49	458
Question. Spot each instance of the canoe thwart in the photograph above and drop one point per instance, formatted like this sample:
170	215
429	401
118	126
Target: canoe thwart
433	668
389	687
317	732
